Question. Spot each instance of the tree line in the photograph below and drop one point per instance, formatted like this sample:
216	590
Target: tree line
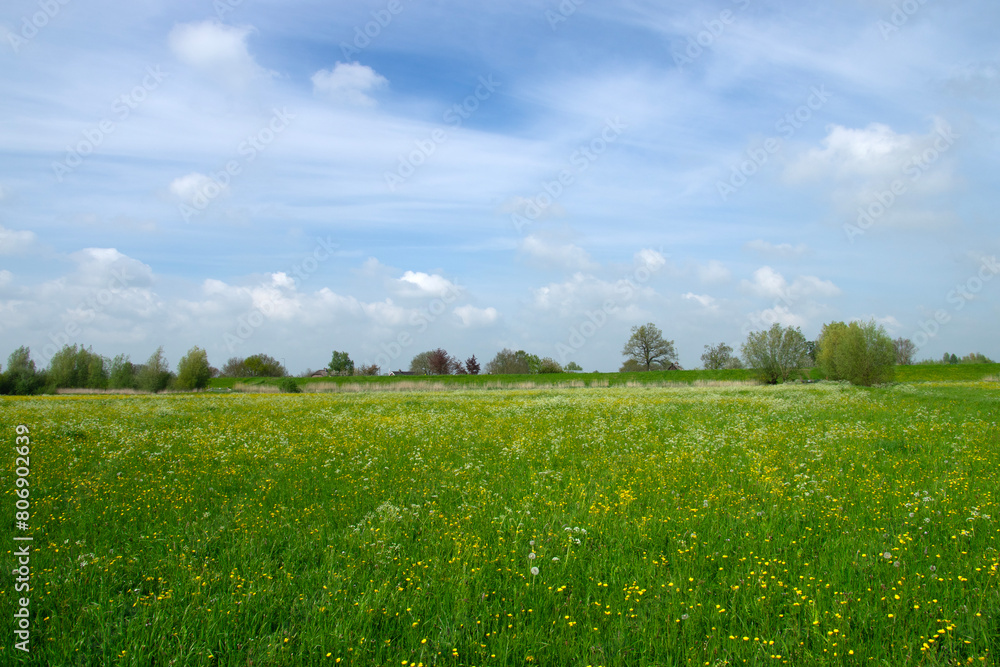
859	352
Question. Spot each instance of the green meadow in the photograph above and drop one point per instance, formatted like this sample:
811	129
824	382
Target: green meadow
799	524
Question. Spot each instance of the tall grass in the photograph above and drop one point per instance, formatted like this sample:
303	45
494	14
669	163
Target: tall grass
796	524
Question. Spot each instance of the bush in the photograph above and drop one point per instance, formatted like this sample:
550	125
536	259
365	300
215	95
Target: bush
288	385
776	353
866	355
193	371
154	375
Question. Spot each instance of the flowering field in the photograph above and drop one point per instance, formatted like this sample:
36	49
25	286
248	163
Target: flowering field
798	524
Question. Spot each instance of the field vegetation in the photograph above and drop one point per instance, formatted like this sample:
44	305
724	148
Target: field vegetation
799	524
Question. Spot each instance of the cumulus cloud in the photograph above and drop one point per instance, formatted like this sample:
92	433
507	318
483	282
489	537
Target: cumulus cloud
782	250
419	284
100	267
353	83
555	255
713	273
218	50
196	185
891	176
476	317
651	259
770	284
14	242
705	300
6	277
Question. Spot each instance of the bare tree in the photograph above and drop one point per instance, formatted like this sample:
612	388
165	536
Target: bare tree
720	357
647	347
905	349
775	353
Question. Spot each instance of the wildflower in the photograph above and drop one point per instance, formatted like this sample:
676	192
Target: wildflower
534	571
887	556
555	559
532	556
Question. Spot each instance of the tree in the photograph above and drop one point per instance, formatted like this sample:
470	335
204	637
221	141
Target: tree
508	362
976	358
439	362
866	355
826	347
420	364
905	349
472	366
811	349
122	373
630	366
573	366
720	357
341	364
234	368
193	370
154	375
370	369
533	361
647	347
21	377
550	365
262	365
953	359
78	368
775	353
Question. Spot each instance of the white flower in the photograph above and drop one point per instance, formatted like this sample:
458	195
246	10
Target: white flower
887	555
534	571
555	559
531	556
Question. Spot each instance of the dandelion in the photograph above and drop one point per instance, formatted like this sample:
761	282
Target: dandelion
684	617
532	556
534	571
555	559
887	556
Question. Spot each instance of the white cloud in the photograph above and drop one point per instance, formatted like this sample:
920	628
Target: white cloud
651	259
778	314
705	300
349	82
890	175
553	255
416	283
769	284
713	273
476	317
217	49
783	250
106	267
6	277
13	242
583	291
196	186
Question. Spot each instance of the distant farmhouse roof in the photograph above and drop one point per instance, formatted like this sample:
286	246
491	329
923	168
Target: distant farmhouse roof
674	367
320	374
401	373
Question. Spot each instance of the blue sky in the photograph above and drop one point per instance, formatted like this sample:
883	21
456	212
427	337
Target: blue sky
389	177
